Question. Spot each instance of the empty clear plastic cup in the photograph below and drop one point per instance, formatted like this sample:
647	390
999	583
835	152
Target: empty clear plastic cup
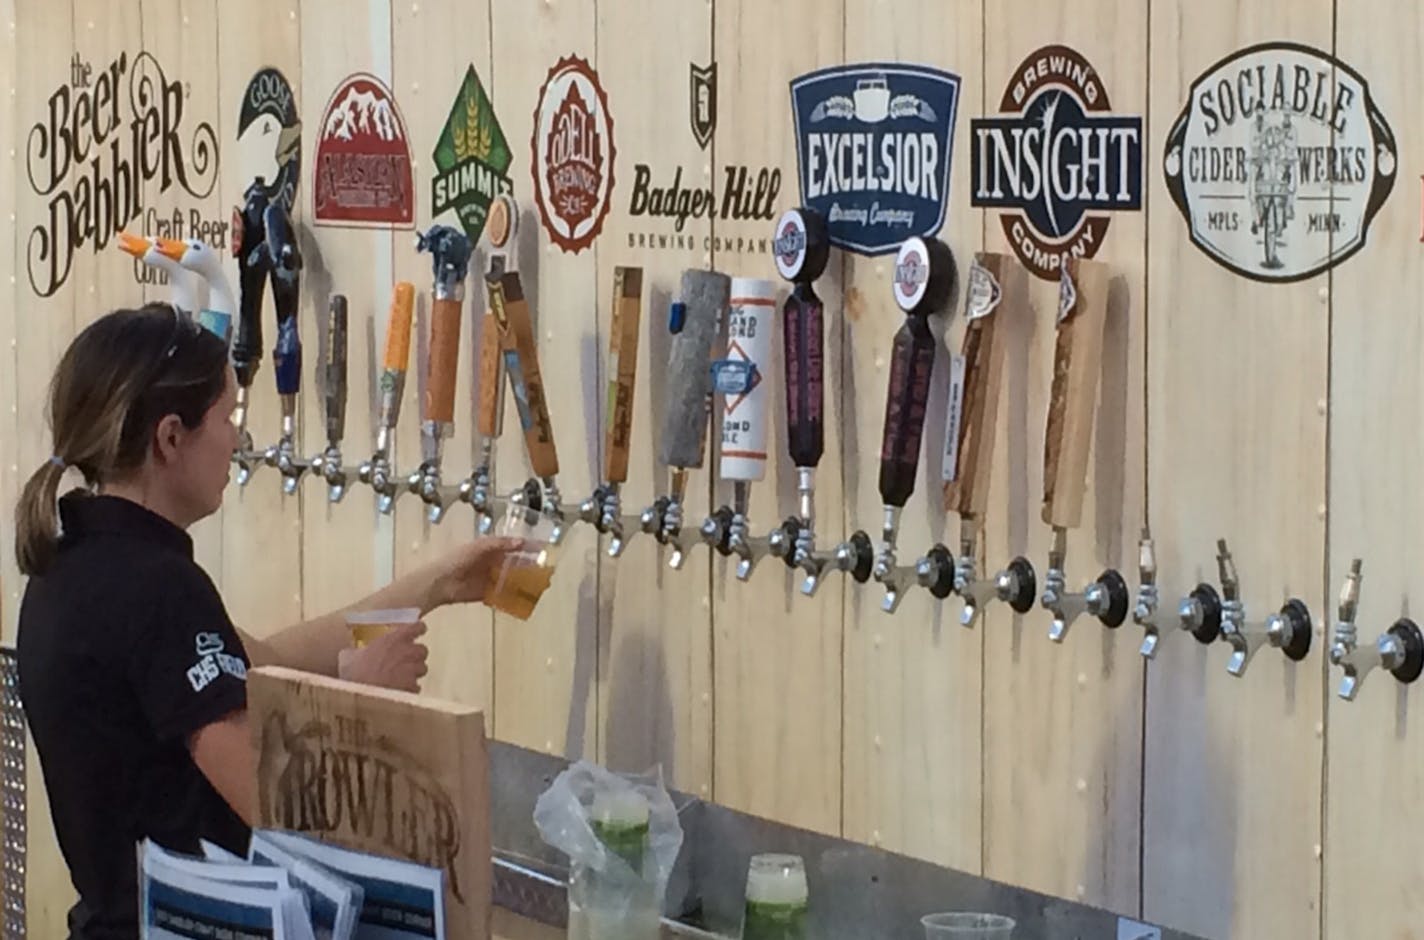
516	586
367	625
963	925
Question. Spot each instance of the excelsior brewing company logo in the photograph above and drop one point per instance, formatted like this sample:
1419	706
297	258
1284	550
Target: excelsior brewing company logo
363	167
572	154
269	136
1279	162
1058	159
472	157
104	138
747	194
874	144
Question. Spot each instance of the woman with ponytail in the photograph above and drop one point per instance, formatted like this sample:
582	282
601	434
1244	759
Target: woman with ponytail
132	675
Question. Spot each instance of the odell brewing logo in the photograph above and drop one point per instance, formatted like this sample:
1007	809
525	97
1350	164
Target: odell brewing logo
1279	162
269	136
363	172
1058	159
748	194
102	139
874	144
572	154
472	157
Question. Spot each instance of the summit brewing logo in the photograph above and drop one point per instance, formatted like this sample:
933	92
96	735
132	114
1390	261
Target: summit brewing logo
472	157
874	144
1058	159
103	138
363	167
572	154
1279	162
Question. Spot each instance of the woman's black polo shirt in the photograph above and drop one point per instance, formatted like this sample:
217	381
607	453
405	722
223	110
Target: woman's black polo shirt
125	650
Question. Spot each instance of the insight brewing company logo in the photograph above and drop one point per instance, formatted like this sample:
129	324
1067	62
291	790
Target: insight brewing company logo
1279	162
572	154
363	167
1058	158
269	136
103	138
749	194
874	144
472	157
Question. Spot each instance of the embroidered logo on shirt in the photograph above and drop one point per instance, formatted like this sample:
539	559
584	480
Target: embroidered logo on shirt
213	662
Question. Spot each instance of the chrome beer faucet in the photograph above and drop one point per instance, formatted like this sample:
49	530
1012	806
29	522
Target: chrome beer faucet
1288	629
1400	649
1199	613
1106	598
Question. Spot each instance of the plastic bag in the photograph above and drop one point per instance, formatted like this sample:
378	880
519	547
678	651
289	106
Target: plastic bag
622	836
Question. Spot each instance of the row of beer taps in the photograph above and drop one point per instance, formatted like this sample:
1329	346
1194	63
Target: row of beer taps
720	350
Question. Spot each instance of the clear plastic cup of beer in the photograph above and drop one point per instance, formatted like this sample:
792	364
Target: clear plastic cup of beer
518	583
368	625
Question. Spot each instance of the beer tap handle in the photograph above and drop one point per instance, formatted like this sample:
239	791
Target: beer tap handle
378	471
328	463
521	363
622	371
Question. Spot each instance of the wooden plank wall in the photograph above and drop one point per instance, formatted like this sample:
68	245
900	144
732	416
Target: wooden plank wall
1277	416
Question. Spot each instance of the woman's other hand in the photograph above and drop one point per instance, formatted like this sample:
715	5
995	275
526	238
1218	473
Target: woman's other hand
465	575
394	660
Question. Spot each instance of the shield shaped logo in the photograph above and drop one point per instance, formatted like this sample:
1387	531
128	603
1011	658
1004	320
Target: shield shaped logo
702	109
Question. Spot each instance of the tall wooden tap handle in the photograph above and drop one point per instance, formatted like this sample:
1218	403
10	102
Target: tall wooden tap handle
489	417
622	371
335	378
521	361
397	354
1077	364
445	319
997	287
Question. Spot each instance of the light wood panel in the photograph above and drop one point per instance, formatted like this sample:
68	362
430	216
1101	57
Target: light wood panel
1373	758
776	652
430	60
655	624
337	39
262	528
1237	383
1062	722
12	474
912	680
551	658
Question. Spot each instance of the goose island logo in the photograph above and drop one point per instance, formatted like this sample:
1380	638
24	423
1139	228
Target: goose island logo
103	138
269	136
472	159
1057	160
572	154
1279	162
874	144
363	167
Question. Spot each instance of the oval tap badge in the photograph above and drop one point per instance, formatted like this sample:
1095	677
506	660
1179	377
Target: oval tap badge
912	274
572	154
1279	162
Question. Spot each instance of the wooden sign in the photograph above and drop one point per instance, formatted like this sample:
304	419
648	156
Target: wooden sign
378	771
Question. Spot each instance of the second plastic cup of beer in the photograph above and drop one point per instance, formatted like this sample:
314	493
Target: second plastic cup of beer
368	625
516	586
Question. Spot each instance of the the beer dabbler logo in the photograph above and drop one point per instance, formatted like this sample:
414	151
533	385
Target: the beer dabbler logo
1058	159
103	138
1279	162
874	144
572	154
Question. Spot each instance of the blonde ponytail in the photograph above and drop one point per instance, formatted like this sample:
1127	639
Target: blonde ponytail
37	519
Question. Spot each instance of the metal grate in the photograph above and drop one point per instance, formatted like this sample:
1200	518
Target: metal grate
12	796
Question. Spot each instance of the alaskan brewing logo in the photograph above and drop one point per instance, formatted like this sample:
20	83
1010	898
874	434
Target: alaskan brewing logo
874	144
472	157
363	167
572	154
1279	162
702	104
269	136
748	194
103	138
1058	158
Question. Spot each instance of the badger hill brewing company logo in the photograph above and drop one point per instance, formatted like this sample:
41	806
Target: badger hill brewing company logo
103	138
1279	162
1057	159
363	170
572	154
874	144
747	194
269	136
472	158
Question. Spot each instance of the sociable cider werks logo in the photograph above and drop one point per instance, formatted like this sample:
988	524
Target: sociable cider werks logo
1279	162
1057	160
572	154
